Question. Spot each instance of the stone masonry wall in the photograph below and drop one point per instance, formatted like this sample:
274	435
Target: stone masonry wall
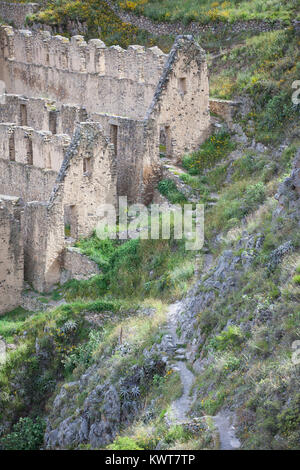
38	148
106	79
225	109
11	253
86	180
77	266
41	114
181	101
16	13
28	182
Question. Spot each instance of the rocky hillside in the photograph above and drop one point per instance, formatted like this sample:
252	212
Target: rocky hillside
168	349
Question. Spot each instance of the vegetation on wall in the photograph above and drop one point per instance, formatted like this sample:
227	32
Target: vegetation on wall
95	19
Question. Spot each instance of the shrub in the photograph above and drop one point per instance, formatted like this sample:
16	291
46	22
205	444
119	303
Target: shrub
124	443
27	434
214	149
228	339
168	189
296	279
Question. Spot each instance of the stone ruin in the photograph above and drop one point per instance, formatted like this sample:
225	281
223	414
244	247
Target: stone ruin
82	124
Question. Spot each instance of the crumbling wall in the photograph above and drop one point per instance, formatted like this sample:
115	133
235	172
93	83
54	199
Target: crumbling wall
43	244
41	149
131	139
16	13
28	182
181	101
77	266
86	180
11	253
41	114
109	79
225	109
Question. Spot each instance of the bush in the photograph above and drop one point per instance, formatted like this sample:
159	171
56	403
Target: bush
168	189
228	339
27	434
214	149
296	279
124	443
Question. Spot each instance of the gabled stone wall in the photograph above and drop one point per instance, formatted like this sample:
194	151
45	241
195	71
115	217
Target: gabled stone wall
181	100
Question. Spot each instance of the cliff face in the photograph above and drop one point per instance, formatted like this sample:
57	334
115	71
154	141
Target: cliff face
288	195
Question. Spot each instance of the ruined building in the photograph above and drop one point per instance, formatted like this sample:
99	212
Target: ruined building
80	125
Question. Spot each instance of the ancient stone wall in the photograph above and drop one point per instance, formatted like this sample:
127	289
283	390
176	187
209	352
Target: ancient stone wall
11	253
77	266
131	154
16	13
225	109
106	79
86	180
41	114
28	182
181	102
81	125
25	145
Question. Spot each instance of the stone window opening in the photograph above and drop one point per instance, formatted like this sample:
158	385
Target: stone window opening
29	151
168	141
23	115
53	122
70	221
87	166
114	136
165	141
11	148
182	85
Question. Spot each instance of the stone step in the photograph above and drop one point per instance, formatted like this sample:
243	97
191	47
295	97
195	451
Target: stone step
180	357
180	351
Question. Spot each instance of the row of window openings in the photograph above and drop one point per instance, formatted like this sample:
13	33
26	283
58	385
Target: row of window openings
165	143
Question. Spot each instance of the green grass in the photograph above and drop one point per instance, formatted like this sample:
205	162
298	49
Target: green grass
12	322
136	268
214	149
207	11
100	22
263	69
168	189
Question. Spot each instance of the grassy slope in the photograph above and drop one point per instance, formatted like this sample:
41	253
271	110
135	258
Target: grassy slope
99	20
206	11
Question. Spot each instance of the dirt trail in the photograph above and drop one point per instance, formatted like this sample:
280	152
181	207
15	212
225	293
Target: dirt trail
180	407
224	423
